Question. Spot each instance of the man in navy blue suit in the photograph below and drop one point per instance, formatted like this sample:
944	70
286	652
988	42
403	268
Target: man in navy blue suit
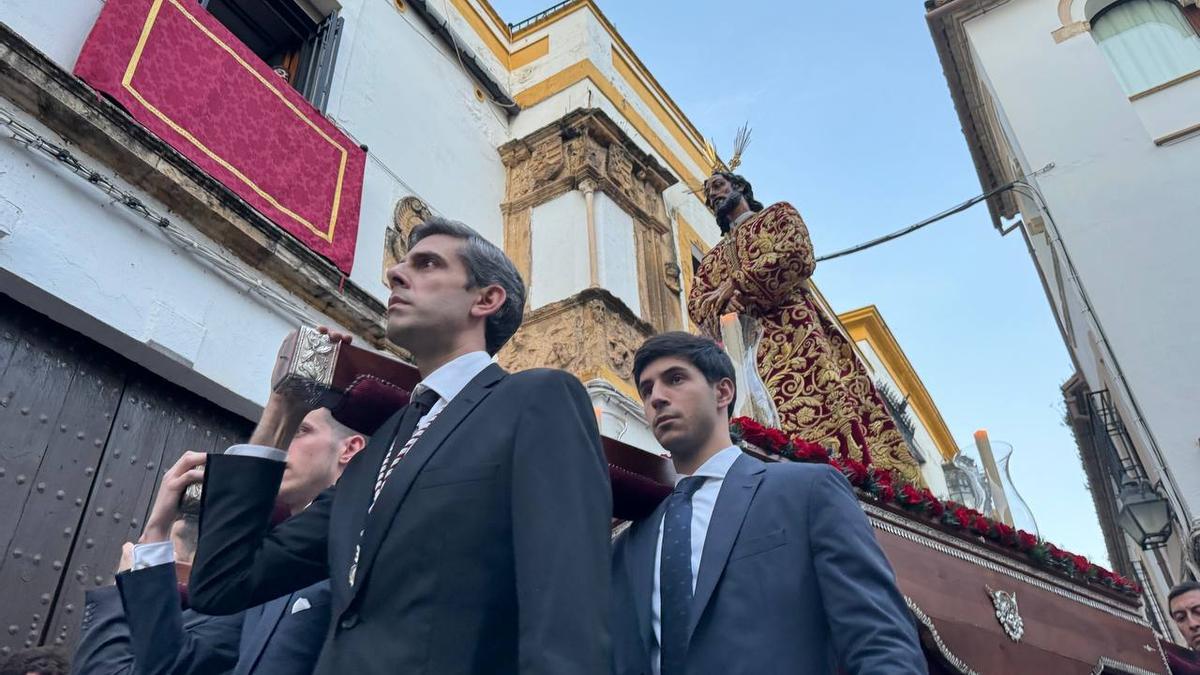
138	626
747	567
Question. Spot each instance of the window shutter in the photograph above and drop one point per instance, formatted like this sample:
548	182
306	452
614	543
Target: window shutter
322	50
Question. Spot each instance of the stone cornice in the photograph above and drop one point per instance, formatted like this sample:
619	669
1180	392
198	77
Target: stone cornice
586	144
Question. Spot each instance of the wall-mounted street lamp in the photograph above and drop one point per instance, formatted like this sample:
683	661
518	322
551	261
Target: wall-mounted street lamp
1145	514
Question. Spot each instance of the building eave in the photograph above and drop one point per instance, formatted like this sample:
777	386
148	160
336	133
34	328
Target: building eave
946	20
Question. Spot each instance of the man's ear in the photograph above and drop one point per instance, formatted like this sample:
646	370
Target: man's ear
491	299
350	447
726	392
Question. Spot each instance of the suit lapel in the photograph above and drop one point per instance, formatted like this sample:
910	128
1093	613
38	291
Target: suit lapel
737	491
265	624
397	486
639	569
350	508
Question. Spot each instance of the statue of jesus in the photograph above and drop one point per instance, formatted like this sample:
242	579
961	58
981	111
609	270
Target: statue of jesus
760	269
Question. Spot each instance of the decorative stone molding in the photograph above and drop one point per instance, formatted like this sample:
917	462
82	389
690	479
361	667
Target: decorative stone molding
587	150
1070	30
1193	542
591	334
409	213
1072	27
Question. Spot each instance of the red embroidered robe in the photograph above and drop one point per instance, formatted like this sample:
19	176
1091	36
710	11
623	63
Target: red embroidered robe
820	389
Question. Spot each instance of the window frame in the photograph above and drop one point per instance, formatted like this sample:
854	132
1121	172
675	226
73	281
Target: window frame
312	65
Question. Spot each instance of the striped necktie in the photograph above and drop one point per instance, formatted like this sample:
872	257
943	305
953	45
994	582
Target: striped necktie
409	426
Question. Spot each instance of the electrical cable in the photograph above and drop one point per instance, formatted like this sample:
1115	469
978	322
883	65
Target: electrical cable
959	208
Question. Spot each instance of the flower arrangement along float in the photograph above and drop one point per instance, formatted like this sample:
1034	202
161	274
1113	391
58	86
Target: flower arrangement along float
885	488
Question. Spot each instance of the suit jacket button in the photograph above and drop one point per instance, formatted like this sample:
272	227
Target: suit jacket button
349	621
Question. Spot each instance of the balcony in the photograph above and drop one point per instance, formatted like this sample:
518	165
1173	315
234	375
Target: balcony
213	193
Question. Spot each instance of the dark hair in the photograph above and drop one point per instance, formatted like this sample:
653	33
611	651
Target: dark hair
740	184
1181	588
188	532
340	431
486	265
706	355
40	660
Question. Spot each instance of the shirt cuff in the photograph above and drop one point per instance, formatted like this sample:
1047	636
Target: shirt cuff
149	555
260	451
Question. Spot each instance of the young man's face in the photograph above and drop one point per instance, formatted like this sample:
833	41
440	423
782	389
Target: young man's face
313	460
1185	610
431	302
682	407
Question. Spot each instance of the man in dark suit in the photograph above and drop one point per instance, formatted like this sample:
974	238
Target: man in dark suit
138	626
472	534
747	567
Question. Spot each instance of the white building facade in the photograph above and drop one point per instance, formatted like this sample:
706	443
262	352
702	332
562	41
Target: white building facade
142	301
1083	117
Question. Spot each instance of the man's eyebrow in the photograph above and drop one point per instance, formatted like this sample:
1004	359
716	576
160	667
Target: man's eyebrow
426	255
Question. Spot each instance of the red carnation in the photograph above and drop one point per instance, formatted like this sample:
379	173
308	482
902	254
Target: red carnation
1004	532
809	452
856	472
909	495
1026	541
935	506
963	515
1081	564
981	525
776	438
745	422
887	493
747	426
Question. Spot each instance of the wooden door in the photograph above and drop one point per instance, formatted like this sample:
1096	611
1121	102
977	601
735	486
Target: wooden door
85	436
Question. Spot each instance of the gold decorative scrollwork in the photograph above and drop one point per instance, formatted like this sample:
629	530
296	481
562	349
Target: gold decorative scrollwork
409	213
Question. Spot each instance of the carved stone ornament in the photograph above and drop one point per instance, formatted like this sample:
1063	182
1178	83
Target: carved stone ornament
586	334
1193	542
1007	613
409	213
673	276
587	150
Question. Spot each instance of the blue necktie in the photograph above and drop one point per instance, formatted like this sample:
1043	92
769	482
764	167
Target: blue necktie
675	576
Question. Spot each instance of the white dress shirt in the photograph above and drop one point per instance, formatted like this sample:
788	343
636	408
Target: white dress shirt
703	502
447	381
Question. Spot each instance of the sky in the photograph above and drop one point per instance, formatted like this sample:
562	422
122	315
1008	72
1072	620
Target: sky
853	124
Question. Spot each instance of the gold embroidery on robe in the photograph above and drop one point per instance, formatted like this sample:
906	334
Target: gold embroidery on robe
821	390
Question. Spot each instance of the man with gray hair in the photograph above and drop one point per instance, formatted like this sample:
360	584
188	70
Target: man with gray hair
472	534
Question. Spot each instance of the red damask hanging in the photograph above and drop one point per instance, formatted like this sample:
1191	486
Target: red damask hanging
186	78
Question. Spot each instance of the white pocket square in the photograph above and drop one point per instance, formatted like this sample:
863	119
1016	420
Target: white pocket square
300	605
